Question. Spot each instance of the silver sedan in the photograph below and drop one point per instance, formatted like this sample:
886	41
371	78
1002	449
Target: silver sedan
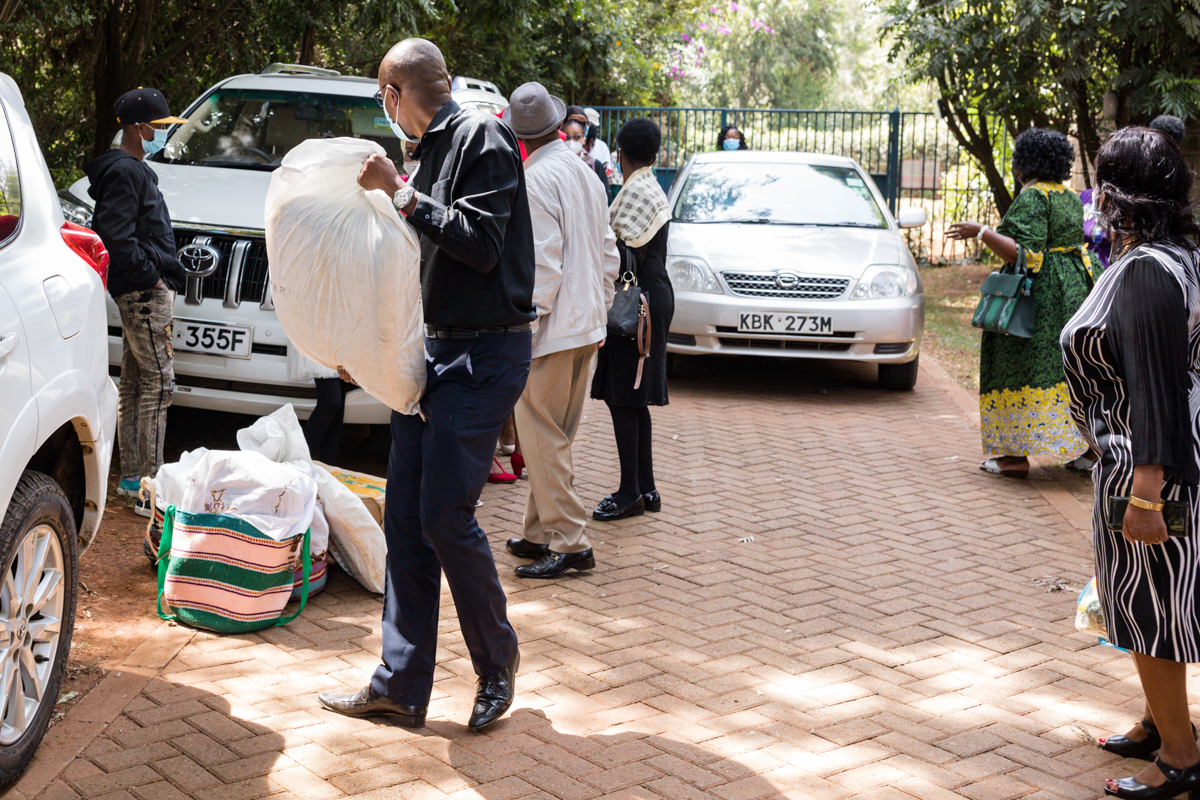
795	255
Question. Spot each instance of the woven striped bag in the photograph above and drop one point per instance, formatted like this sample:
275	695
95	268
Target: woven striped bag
220	573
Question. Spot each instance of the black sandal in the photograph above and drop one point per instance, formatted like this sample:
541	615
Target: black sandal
1125	747
1179	780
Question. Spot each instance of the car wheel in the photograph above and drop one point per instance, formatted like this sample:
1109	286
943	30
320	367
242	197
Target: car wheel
39	549
899	377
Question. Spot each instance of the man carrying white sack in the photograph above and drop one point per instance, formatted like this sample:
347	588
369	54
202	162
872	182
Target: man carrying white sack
468	203
577	263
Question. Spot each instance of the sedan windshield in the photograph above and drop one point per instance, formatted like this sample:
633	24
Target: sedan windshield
779	193
248	129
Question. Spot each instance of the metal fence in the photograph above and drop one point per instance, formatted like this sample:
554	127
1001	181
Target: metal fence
912	157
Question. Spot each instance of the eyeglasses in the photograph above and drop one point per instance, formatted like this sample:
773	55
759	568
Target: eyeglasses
379	94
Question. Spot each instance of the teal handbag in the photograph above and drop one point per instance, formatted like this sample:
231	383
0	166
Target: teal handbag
1006	305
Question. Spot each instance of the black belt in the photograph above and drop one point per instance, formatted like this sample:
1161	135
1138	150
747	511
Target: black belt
444	332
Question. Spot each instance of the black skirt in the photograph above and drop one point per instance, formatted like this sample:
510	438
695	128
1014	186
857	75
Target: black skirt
617	361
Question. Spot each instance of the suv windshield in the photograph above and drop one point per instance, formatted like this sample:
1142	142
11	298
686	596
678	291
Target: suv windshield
249	129
786	194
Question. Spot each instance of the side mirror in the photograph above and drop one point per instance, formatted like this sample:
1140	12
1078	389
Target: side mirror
911	217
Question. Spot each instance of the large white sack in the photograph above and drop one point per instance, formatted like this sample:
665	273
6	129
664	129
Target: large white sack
345	270
354	538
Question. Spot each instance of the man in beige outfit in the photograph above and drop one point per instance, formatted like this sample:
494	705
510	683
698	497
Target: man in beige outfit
577	262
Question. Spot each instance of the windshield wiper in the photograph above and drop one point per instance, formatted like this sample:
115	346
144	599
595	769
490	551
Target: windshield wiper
849	225
754	221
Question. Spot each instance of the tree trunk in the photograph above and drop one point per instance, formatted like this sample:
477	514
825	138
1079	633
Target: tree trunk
308	45
977	142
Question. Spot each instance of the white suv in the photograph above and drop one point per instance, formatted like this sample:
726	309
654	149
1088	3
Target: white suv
230	350
58	412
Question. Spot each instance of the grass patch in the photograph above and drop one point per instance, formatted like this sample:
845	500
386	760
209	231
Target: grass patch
951	294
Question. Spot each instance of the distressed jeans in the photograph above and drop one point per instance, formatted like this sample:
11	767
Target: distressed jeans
147	379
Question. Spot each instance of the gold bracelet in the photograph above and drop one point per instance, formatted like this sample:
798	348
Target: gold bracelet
1146	504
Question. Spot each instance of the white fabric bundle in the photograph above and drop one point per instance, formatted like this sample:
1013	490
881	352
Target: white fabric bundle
345	271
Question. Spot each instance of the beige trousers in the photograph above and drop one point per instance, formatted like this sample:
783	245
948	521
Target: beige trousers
547	417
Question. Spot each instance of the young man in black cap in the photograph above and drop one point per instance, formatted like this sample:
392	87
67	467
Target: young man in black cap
144	274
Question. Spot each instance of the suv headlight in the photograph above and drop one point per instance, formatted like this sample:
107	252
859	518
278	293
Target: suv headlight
885	282
691	274
73	210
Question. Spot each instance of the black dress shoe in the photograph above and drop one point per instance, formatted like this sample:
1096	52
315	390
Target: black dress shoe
494	695
653	500
367	702
609	510
1179	780
523	548
553	564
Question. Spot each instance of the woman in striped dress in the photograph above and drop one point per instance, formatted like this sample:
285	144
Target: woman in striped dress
1132	358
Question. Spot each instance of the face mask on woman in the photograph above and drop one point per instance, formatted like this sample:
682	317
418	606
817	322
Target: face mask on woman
575	146
157	143
732	144
410	167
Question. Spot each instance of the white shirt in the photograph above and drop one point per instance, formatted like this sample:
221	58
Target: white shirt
600	152
574	248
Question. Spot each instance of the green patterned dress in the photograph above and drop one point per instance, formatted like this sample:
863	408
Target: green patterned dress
1023	401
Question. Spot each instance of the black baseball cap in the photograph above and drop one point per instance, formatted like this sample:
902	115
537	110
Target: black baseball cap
143	105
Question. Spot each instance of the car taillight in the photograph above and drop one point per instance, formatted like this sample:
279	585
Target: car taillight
88	246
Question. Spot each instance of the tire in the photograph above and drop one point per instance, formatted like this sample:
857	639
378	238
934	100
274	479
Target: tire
899	377
38	514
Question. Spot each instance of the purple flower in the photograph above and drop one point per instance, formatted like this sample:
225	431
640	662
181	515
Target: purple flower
685	38
703	26
723	30
734	5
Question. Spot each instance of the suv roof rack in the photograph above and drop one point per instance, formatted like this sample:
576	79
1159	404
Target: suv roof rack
279	68
462	82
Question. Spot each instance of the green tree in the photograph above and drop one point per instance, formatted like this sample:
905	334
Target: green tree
1001	66
772	53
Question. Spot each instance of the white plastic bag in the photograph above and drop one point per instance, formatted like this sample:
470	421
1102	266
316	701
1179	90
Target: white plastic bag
353	537
303	370
277	499
345	271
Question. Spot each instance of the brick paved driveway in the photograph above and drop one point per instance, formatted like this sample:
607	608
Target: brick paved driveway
833	603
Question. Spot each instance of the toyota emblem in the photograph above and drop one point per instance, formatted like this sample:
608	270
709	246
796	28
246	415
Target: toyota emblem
199	260
786	280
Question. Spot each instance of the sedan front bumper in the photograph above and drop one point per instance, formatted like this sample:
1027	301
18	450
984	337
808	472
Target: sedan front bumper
872	331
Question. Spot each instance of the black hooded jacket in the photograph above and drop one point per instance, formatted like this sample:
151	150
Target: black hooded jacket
131	217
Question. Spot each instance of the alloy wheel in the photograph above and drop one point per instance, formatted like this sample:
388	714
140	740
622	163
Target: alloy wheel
32	595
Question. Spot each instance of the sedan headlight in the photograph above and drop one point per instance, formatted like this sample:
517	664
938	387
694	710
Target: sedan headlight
73	210
885	282
691	274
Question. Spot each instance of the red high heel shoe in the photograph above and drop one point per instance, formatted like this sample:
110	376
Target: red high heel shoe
518	464
501	476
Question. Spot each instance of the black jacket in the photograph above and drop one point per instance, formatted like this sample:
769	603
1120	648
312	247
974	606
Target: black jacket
473	216
131	217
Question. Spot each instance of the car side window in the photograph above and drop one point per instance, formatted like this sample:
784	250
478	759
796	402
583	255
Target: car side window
10	183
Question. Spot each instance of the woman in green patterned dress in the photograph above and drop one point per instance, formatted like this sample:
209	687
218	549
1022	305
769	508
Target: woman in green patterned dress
1023	401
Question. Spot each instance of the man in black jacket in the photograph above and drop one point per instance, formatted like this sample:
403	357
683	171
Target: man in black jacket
468	203
144	274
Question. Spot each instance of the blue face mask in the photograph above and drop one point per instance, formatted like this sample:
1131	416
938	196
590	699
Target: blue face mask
157	143
731	144
396	129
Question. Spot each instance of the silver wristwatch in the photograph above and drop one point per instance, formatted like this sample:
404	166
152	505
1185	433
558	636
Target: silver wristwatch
403	197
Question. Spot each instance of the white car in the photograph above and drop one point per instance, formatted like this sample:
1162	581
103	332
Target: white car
58	419
792	254
230	350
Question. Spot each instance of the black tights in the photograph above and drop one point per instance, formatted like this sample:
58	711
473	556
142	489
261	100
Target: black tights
632	429
323	431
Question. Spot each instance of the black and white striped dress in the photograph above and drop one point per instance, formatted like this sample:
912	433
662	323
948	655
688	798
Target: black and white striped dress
1132	358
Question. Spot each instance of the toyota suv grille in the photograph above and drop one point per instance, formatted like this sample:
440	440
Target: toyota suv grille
240	274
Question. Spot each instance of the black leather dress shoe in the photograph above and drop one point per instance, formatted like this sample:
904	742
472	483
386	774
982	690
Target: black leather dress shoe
653	500
609	510
523	548
553	564
367	702
494	695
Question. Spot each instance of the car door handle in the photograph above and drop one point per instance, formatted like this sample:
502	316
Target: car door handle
8	343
